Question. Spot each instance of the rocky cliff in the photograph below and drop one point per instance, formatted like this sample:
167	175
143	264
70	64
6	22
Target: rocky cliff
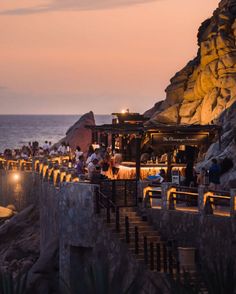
204	91
206	86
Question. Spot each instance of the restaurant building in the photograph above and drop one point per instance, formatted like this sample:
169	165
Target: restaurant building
148	148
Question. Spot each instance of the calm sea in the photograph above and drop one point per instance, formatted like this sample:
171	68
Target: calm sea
17	130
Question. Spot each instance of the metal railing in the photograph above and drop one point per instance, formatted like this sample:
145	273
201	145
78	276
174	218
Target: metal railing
191	199
123	192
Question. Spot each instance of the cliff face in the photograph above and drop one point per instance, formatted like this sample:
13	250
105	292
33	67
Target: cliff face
206	86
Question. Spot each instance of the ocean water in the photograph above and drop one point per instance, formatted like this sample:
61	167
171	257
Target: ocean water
17	130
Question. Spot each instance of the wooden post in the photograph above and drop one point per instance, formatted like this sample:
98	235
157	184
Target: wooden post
136	238
113	140
201	199
158	257
166	190
117	219
169	156
127	236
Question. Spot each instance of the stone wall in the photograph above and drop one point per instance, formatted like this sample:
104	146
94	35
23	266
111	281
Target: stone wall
21	190
49	215
211	235
85	239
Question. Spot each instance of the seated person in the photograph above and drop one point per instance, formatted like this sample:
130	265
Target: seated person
116	161
145	157
94	170
53	151
80	166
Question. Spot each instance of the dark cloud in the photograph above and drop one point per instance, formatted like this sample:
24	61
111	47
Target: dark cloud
57	5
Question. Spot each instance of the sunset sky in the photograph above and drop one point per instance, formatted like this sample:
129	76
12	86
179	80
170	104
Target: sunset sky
72	56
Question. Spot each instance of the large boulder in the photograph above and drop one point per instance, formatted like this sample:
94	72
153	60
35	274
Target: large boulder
78	134
43	276
155	109
210	78
20	238
168	116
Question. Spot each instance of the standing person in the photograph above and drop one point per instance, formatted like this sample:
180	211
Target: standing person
68	149
78	153
214	175
96	155
116	161
80	166
201	178
189	174
46	147
105	164
35	147
62	148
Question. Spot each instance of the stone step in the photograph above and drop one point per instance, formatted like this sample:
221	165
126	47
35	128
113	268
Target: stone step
128	209
132	226
135	220
154	239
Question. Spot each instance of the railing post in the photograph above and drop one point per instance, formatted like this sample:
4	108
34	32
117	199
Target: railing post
151	257
125	196
158	252
164	258
201	199
166	189
117	219
46	176
145	249
127	237
170	257
108	211
233	202
136	240
113	196
147	200
97	200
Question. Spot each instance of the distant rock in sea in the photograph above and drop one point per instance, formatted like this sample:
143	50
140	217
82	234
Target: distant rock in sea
78	134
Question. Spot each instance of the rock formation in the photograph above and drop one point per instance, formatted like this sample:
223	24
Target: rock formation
228	147
206	86
78	134
204	91
19	246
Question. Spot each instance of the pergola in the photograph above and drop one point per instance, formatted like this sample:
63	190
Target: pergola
156	135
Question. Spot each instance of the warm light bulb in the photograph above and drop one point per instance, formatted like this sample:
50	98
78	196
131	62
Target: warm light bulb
123	111
16	177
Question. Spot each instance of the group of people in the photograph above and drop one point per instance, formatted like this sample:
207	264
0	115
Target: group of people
33	149
209	176
97	163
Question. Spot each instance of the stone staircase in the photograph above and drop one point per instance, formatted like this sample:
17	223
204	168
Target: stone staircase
142	240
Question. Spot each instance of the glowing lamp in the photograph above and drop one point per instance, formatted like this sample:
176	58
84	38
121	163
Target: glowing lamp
16	177
123	111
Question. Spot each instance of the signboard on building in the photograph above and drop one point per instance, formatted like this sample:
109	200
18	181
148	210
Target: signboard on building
179	138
